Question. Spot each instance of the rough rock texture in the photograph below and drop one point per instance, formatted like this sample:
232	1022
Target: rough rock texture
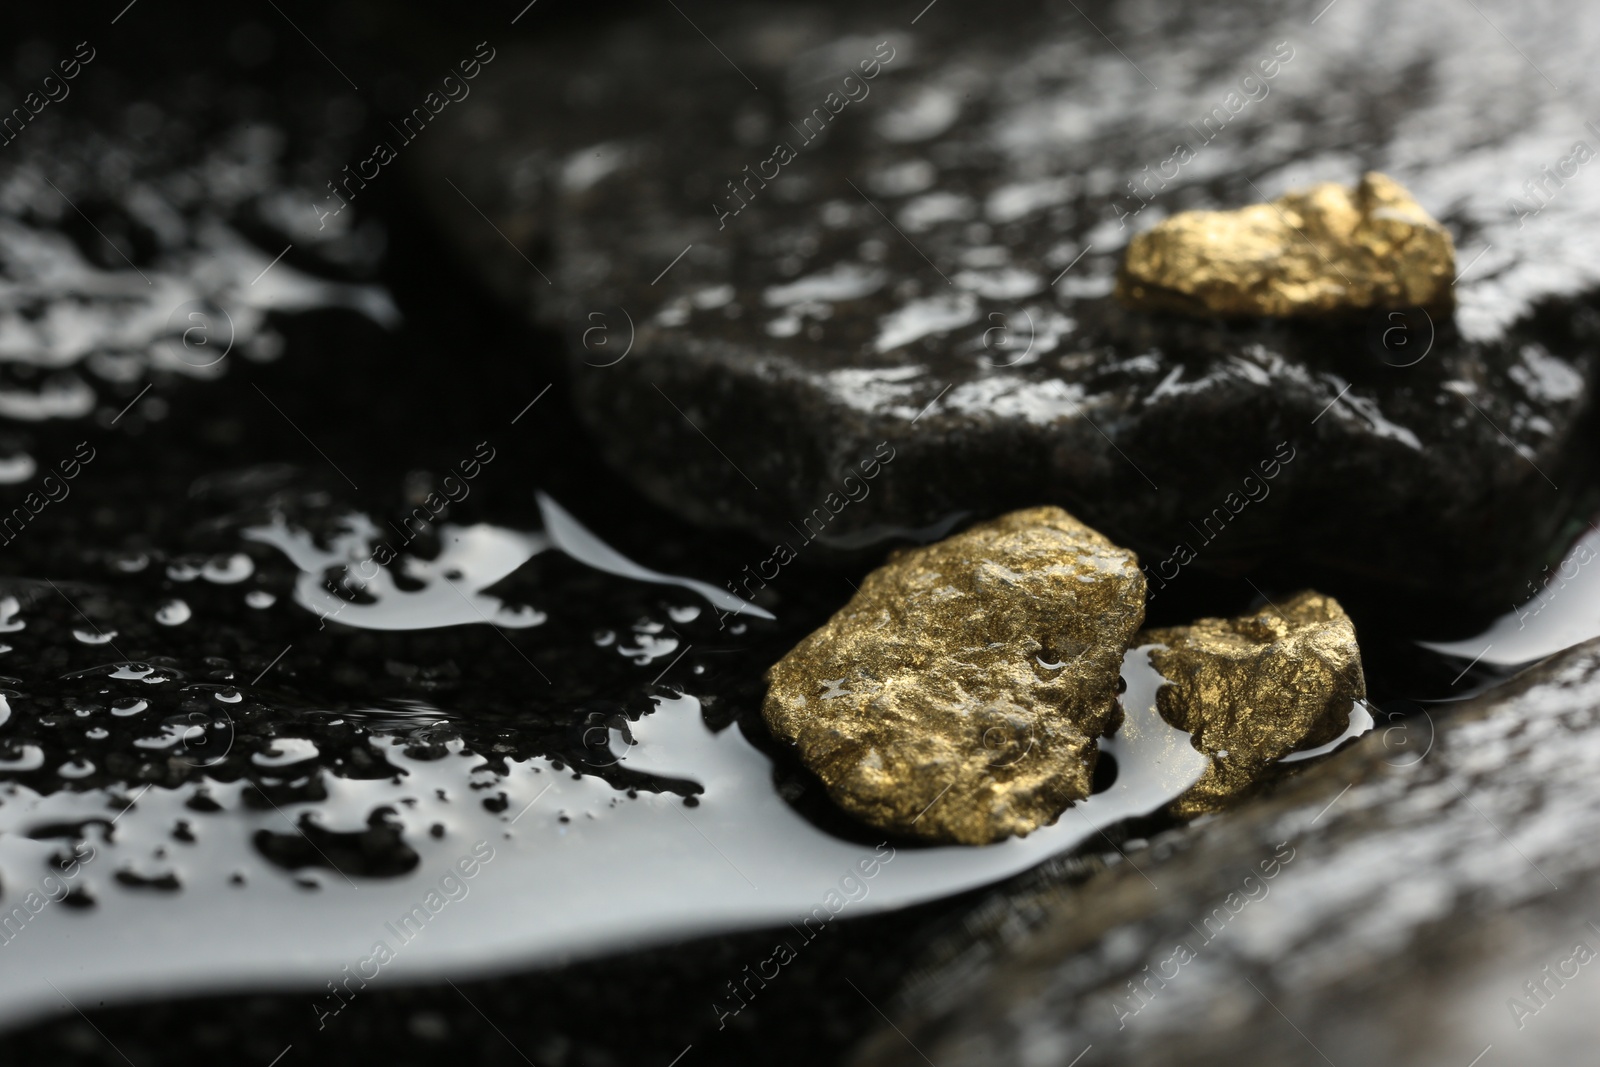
1253	689
1391	905
957	697
1309	252
913	273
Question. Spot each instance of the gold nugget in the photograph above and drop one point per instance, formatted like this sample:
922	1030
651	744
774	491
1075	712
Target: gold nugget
958	695
1256	688
1320	250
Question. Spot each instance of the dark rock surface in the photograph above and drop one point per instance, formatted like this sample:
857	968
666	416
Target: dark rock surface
236	121
913	274
1389	906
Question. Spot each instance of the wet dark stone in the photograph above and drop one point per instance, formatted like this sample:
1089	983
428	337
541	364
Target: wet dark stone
1390	904
987	155
196	458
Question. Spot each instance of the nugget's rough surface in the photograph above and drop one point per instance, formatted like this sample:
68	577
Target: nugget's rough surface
958	695
1256	688
1310	252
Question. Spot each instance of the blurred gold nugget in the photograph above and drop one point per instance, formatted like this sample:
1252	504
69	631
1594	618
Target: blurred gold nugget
1256	688
1312	252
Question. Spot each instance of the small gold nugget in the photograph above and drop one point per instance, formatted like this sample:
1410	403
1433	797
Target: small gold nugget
1320	250
958	696
1256	688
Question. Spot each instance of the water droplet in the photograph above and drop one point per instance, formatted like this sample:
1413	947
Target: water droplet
226	570
124	708
78	768
260	598
31	759
285	750
102	638
173	613
229	696
183	571
648	648
17	468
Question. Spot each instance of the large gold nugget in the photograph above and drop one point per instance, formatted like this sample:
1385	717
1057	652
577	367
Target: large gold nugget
958	695
1256	688
1320	250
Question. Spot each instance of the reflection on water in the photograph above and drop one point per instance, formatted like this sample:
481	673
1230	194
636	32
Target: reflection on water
450	588
1564	609
580	865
